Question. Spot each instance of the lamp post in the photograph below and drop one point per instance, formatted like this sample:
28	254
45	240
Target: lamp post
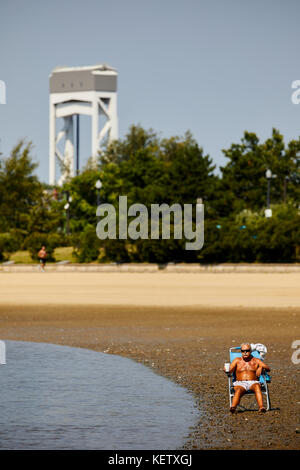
67	207
268	211
268	176
98	186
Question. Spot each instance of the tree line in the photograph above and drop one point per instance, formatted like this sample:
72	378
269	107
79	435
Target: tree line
153	170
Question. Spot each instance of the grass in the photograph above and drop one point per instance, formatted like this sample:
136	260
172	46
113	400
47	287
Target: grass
64	253
61	254
21	257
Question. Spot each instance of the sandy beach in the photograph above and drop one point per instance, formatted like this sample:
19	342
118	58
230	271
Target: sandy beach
181	325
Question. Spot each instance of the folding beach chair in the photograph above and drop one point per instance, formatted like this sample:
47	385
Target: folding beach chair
264	379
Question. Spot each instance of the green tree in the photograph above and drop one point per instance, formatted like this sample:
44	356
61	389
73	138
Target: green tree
28	210
86	245
20	188
251	237
244	179
83	203
9	242
149	170
188	173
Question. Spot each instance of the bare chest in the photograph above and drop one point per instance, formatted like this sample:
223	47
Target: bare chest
243	365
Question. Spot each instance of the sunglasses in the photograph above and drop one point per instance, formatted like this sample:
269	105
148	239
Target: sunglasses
245	350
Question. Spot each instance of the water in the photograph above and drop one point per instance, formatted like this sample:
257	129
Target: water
58	397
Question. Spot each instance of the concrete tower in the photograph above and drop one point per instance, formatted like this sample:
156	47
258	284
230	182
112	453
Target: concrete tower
80	90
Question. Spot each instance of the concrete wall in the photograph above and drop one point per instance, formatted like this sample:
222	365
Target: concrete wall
153	268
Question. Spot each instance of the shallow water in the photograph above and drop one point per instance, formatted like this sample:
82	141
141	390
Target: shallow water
58	397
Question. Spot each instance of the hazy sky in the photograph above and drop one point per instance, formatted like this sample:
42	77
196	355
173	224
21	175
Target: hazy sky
214	67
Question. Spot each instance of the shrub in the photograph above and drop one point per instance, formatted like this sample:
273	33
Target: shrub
9	242
86	245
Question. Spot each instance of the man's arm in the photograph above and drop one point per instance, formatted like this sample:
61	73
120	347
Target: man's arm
261	366
232	366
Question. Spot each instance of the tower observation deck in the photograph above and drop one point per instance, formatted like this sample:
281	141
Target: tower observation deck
91	91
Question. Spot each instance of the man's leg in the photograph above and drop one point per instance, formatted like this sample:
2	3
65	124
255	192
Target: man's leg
258	395
239	392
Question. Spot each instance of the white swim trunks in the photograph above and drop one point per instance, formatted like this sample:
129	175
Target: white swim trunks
247	384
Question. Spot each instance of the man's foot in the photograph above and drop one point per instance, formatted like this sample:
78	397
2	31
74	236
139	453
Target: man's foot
232	409
262	410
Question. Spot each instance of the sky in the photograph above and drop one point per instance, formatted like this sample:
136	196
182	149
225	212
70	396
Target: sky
213	67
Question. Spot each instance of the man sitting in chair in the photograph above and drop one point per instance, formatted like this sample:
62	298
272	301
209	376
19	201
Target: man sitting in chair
247	371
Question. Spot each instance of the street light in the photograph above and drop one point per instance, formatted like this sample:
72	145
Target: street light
98	186
67	207
268	211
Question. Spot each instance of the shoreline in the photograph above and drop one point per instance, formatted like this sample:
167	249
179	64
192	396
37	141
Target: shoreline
187	345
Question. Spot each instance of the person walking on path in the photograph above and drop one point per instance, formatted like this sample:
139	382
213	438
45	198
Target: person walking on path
42	255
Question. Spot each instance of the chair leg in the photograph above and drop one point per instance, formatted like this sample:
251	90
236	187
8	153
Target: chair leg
267	396
268	400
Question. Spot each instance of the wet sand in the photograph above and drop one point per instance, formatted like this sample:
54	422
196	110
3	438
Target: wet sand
181	326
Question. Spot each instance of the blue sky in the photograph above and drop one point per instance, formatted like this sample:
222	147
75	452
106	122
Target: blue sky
215	67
